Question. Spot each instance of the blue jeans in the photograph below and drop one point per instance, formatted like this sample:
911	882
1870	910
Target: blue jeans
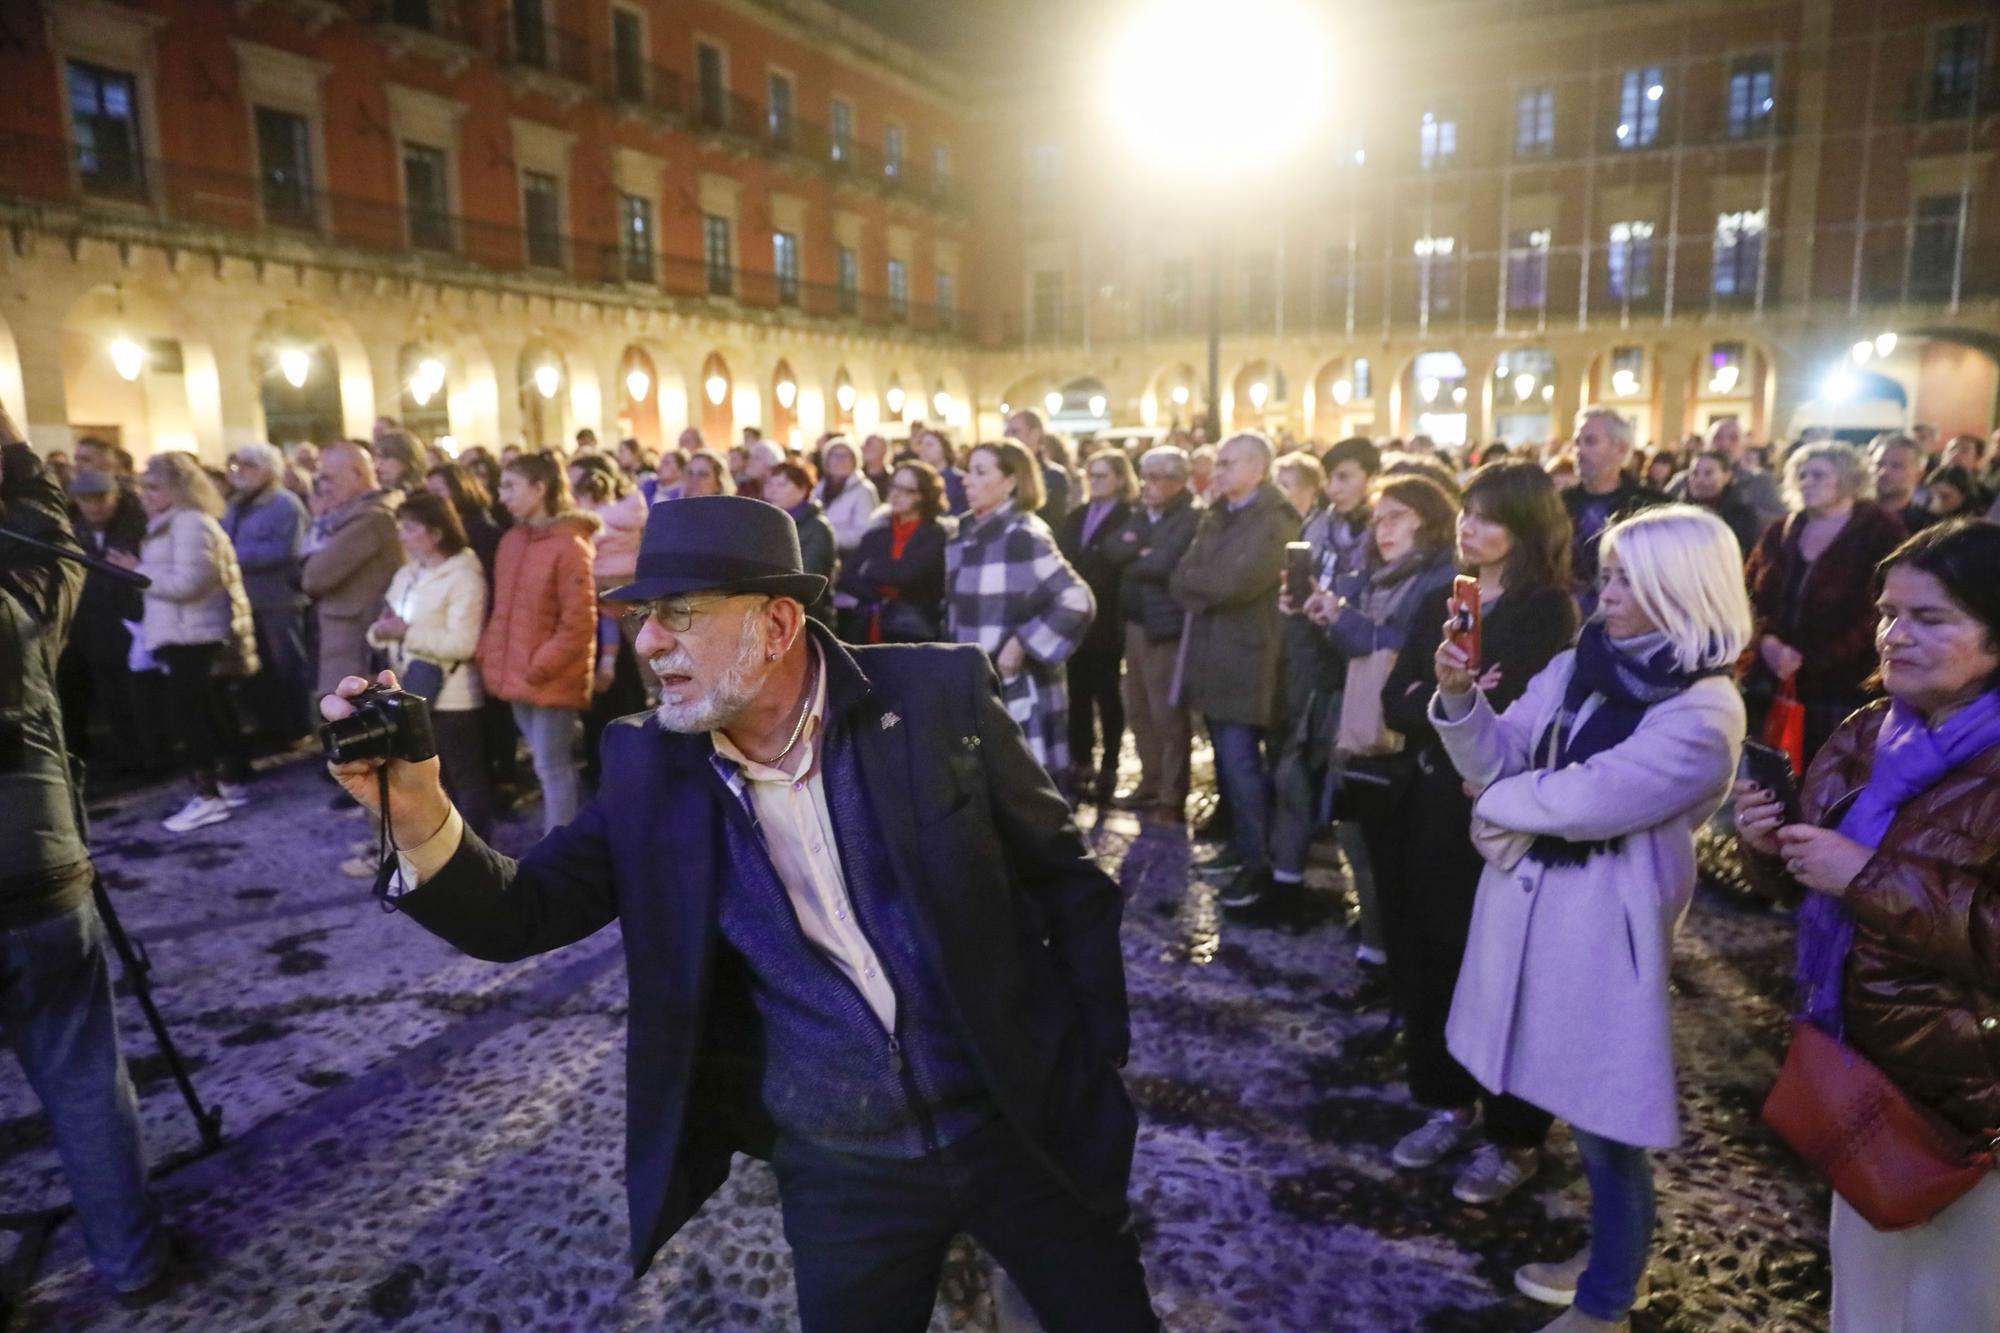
1246	786
1621	1224
56	1014
869	1235
552	735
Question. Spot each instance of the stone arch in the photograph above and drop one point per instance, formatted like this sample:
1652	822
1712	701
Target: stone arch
1751	392
1172	393
956	385
717	385
1255	395
109	330
340	382
1433	387
1028	392
542	372
1517	396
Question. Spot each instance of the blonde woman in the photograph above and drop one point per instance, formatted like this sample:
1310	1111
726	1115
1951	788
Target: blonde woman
198	626
1590	788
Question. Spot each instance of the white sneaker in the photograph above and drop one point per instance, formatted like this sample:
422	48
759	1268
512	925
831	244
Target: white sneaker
236	794
1554	1283
199	812
1494	1173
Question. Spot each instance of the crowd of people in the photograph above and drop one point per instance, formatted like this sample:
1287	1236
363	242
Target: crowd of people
1518	828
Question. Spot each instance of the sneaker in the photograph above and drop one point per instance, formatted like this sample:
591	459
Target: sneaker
1445	1134
236	794
1250	884
199	812
1494	1173
1554	1283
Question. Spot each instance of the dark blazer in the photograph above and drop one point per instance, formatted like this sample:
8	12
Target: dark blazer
1020	922
1101	569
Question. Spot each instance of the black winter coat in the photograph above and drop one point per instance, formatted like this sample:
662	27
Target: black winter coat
873	577
1102	570
1149	550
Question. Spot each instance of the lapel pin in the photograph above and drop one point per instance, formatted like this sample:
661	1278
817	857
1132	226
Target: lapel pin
889	720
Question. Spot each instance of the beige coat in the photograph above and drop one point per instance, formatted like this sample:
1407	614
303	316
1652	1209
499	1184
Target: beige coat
346	578
197	593
444	607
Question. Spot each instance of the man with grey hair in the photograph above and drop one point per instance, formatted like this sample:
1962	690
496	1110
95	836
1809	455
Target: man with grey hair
1150	548
267	525
348	573
1899	471
759	457
1753	485
864	941
1232	643
1605	491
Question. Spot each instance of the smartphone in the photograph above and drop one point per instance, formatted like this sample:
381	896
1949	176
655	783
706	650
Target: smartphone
1298	573
1463	618
1771	768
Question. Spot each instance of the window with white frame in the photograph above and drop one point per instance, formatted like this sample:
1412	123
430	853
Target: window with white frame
635	214
899	289
1437	138
785	264
284	168
1958	59
1752	96
892	150
1640	95
1535	122
715	255
1437	271
1739	251
1528	269
840	130
104	116
1628	261
541	218
778	108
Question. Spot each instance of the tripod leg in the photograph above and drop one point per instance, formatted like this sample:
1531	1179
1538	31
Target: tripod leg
208	1120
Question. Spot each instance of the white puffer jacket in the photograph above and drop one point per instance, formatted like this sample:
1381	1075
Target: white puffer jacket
197	594
444	607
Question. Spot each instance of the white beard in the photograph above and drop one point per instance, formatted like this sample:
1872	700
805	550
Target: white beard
732	695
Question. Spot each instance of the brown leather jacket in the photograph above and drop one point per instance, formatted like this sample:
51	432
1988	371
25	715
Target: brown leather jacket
1922	992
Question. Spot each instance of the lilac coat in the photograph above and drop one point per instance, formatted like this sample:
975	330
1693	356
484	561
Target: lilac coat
1562	999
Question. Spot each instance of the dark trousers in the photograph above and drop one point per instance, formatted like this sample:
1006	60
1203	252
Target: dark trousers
1427	893
96	686
280	695
462	754
869	1235
210	738
1245	784
1094	697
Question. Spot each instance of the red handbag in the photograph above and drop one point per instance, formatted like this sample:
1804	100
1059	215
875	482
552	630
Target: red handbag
1785	725
1895	1162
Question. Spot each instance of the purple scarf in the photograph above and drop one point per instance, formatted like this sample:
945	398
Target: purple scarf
1910	758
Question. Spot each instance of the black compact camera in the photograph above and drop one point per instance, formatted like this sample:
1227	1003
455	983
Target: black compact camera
387	724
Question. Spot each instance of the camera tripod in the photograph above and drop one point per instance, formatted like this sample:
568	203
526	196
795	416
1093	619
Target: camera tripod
36	1228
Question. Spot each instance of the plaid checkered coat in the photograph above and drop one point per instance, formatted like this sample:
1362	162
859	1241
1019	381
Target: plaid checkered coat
1004	576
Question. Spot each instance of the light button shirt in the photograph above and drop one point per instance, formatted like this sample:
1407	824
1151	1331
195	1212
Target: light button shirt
797	830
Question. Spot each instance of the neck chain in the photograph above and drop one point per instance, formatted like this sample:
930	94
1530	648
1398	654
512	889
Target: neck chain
805	711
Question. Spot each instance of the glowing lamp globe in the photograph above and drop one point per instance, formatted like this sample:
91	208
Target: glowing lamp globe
717	388
127	358
295	364
547	380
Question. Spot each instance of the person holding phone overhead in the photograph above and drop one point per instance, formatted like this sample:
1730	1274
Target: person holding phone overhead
1896	858
1589	789
1514	537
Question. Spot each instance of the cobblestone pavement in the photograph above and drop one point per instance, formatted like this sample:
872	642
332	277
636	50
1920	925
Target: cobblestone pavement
421	1141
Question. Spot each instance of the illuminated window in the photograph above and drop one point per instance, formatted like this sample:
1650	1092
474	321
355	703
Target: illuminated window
1629	261
1535	122
1739	252
1640	95
1752	96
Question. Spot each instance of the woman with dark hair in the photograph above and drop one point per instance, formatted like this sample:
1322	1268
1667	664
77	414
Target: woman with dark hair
934	449
1897	861
1662	468
1367	615
538	648
1514	534
429	631
1711	483
400	460
896	576
1009	590
707	473
1951	492
789	486
458	485
1088	538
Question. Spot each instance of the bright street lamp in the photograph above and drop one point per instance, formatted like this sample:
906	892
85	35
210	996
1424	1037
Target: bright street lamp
1053	401
1885	343
894	398
1861	351
788	393
1259	391
638	384
295	364
547	379
717	387
843	394
1097	405
127	358
1342	391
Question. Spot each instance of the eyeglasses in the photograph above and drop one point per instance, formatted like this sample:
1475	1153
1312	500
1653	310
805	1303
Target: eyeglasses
673	613
898	488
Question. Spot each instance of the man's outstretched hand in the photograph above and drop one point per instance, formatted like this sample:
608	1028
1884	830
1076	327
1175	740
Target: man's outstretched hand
417	803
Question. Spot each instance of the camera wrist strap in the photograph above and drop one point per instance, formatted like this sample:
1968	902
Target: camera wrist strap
385	844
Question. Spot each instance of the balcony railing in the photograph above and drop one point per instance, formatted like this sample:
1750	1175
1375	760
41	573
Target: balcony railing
39	170
553	51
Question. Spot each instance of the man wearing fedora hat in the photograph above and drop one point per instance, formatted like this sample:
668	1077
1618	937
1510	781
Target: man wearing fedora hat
863	941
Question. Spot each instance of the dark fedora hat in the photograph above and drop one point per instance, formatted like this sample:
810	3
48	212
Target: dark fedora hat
719	543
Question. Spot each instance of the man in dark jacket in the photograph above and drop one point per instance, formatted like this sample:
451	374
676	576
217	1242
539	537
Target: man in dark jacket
55	982
1230	650
864	940
1090	537
1604	493
1150	547
267	525
96	675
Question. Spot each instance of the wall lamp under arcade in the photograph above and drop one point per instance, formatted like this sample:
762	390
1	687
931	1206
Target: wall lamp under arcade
1343	391
1097	404
424	385
128	358
1053	400
717	388
548	379
1260	393
295	364
941	401
1427	388
893	398
843	395
1458	395
1180	395
787	391
638	384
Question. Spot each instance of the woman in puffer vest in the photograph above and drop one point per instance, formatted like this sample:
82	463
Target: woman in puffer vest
539	646
198	627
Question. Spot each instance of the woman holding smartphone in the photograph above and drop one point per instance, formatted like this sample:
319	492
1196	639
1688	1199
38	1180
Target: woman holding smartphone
1588	790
